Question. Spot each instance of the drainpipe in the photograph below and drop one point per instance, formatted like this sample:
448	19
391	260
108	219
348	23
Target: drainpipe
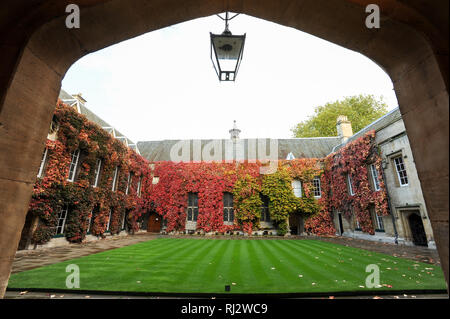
389	205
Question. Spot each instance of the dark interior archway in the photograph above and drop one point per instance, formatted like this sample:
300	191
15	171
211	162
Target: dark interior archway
37	49
419	236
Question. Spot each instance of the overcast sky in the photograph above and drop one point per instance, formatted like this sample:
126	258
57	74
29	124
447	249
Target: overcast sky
162	85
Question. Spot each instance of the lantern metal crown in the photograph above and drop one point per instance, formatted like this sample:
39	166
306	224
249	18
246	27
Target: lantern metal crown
226	52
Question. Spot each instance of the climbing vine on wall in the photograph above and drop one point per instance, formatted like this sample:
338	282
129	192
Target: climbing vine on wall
354	159
53	191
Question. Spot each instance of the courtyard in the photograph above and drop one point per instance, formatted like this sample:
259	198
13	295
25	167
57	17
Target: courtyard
154	264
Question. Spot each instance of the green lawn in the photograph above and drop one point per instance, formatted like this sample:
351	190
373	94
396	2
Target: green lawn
249	266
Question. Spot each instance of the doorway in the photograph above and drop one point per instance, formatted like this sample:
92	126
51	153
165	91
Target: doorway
419	236
341	226
154	223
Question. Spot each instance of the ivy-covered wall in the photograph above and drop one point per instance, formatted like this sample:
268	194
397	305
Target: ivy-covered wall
169	197
53	190
210	180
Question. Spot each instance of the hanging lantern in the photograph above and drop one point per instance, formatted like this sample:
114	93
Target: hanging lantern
226	52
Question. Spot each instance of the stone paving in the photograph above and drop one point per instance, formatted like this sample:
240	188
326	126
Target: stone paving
29	259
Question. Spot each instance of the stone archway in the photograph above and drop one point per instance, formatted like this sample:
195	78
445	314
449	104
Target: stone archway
37	50
418	235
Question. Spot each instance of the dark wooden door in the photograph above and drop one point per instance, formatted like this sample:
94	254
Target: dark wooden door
154	223
417	230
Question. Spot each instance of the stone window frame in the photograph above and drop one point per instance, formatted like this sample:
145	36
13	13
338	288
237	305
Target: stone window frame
398	172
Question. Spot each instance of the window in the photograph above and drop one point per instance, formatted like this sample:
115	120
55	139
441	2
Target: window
316	187
375	178
130	178
228	213
138	191
62	216
115	179
73	165
357	225
125	215
94	212
265	214
98	167
42	166
349	185
297	188
401	171
109	220
377	219
192	210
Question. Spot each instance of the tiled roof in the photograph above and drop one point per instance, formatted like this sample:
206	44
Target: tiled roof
300	148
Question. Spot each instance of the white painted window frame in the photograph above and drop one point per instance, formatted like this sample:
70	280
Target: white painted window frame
109	219
398	170
350	185
317	187
114	184
43	161
98	168
138	191
63	212
73	165
375	179
297	188
128	183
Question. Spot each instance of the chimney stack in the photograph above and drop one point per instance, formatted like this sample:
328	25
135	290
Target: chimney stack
344	128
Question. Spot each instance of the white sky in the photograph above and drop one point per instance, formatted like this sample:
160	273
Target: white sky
162	85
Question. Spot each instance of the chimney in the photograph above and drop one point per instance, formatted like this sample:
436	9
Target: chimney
344	128
234	132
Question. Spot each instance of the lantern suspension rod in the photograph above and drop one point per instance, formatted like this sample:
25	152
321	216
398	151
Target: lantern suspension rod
226	19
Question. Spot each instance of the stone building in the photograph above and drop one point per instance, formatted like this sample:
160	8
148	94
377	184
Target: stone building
78	103
408	222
